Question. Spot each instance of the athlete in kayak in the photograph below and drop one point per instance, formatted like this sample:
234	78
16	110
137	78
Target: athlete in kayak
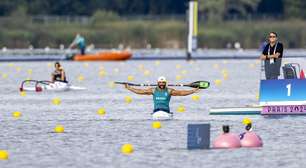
58	74
161	94
79	42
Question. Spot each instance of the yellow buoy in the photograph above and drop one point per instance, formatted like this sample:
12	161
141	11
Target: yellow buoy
178	77
216	66
130	78
140	67
181	109
18	69
30	71
80	78
16	114
224	71
56	101
4	75
225	76
178	66
252	65
156	125
218	82
195	97
127	149
146	73
257	96
4	155
224	62
128	99
59	129
49	65
184	72
27	82
101	111
10	64
246	121
86	65
23	93
102	73
157	63
111	84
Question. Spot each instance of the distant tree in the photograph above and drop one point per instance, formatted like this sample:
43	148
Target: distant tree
38	7
160	7
218	9
7	6
241	7
295	8
101	16
270	7
213	9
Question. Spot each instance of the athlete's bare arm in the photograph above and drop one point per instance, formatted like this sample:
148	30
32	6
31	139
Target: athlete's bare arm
183	92
52	77
148	91
62	75
276	55
264	57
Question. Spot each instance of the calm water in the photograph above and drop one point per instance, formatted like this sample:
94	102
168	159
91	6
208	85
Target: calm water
94	141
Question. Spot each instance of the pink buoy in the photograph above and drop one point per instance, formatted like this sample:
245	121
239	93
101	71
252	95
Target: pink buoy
250	139
227	140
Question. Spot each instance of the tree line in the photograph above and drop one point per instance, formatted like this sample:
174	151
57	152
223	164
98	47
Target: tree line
213	9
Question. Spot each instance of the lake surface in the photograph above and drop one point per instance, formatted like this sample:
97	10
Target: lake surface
91	140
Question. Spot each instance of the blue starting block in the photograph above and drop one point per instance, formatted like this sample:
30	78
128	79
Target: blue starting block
198	136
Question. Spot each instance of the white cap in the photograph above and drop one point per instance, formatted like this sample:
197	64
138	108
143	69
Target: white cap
162	79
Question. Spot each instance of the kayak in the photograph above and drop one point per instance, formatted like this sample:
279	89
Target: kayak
162	115
38	86
104	56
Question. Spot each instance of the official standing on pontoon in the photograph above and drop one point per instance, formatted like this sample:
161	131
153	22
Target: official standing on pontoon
79	42
272	56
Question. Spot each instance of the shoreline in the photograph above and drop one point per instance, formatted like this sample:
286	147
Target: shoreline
9	55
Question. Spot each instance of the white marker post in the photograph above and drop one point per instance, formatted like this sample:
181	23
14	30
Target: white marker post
192	28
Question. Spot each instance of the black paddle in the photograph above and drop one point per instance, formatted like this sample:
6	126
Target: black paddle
197	84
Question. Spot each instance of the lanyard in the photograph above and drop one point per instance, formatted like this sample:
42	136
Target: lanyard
272	59
274	49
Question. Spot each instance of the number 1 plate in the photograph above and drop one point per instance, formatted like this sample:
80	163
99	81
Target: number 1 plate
282	92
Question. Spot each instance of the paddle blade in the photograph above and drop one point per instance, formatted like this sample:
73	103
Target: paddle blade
200	84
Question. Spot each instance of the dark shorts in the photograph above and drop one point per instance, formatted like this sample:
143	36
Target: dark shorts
272	71
82	50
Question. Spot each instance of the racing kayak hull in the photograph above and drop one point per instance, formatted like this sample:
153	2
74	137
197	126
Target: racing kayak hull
162	115
56	86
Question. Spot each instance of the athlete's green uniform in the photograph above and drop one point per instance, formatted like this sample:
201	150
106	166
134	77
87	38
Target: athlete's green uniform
161	99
